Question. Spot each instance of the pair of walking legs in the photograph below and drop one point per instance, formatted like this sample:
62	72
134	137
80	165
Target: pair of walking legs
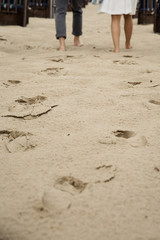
61	11
115	29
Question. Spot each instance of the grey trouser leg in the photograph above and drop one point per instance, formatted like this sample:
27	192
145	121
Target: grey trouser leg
61	10
77	17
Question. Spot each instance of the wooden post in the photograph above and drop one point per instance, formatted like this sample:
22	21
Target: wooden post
50	8
24	13
156	26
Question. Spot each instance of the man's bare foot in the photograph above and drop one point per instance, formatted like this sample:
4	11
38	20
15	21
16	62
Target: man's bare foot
77	42
128	46
62	46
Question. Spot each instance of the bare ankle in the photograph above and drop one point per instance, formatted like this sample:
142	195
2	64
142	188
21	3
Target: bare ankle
128	45
116	50
77	42
62	46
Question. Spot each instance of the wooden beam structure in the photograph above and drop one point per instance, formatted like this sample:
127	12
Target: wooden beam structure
13	12
146	12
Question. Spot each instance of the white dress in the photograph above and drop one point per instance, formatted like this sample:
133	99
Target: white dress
117	7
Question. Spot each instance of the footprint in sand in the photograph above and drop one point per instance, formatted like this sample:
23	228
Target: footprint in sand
60	197
101	174
125	62
3	39
28	47
70	184
52	71
30	101
104	173
134	83
154	102
120	136
15	141
157	169
55	200
148	71
57	59
70	56
11	83
130	56
127	56
135	140
29	108
14	82
124	134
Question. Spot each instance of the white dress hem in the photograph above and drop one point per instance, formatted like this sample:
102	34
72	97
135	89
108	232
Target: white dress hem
115	13
118	7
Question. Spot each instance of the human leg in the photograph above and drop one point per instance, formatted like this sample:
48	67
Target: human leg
128	28
115	29
61	9
77	21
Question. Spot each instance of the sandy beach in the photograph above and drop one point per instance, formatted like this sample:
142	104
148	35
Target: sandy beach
79	133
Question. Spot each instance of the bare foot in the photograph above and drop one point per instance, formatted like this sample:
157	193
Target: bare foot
114	50
128	46
77	41
62	46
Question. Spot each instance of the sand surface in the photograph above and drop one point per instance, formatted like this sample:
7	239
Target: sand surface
79	133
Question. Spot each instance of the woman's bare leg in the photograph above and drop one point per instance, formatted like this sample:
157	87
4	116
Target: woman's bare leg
128	28
115	29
